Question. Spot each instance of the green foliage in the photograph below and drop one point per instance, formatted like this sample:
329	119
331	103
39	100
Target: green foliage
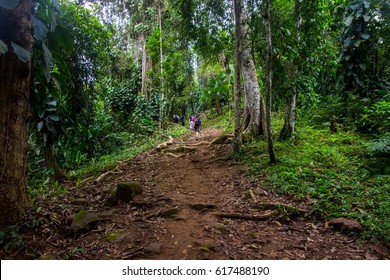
379	147
330	172
376	117
11	239
214	90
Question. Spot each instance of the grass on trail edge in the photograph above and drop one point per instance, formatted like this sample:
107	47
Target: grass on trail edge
332	171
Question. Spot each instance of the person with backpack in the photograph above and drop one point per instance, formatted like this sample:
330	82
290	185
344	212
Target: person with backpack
197	126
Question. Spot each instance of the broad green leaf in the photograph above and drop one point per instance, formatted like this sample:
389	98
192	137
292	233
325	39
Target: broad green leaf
40	28
41	113
52	103
357	43
48	61
347	41
365	36
23	54
56	83
348	21
366	18
9	4
54	118
363	66
3	47
366	4
51	127
40	126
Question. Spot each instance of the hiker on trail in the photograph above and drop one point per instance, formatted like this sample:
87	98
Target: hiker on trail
198	126
176	118
182	120
192	122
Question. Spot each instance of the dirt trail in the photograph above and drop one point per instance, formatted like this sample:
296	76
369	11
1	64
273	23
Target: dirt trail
173	218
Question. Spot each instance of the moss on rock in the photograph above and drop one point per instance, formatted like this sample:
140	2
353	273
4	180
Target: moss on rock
83	221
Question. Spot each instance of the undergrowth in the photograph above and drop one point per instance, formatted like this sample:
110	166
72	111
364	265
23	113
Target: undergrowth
42	186
333	172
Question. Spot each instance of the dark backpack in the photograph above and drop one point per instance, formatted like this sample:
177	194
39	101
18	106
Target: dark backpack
198	122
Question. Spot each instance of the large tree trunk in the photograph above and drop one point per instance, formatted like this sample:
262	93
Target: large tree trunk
252	92
15	26
268	80
254	123
237	75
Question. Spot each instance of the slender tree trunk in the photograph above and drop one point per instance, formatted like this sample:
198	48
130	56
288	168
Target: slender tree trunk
161	68
14	111
237	75
268	82
142	39
51	163
263	117
289	120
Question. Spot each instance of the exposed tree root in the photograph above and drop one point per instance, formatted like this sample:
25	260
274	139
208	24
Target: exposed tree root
176	156
180	149
164	145
252	195
243	216
221	139
166	213
199	143
281	208
201	206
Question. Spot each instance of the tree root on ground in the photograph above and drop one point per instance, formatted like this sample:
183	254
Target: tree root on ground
221	139
165	144
180	149
243	216
201	206
280	207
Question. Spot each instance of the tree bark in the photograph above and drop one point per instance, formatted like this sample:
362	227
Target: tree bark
15	26
252	89
142	39
252	92
51	163
289	120
268	82
237	74
161	114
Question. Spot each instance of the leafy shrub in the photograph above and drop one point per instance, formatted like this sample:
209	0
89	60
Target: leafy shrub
376	118
380	146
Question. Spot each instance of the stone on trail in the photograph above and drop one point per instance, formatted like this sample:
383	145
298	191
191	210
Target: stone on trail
83	221
345	225
124	191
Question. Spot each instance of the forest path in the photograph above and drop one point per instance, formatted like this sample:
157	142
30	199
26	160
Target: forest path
174	218
202	182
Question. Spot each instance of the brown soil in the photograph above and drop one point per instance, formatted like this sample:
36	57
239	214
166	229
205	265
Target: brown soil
175	217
